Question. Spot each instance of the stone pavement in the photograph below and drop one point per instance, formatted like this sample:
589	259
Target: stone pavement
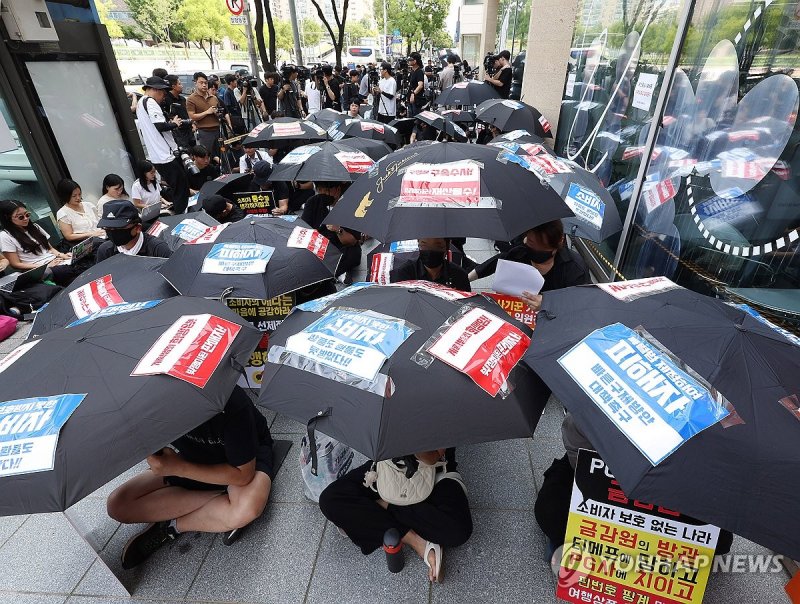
294	555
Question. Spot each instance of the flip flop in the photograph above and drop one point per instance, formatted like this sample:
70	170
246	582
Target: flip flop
437	550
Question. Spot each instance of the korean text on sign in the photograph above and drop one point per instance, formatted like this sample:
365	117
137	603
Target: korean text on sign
450	185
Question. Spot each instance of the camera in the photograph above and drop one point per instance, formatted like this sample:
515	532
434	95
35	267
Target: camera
488	63
246	81
286	71
374	76
188	163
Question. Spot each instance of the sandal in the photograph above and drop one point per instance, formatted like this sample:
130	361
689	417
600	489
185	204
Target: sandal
437	550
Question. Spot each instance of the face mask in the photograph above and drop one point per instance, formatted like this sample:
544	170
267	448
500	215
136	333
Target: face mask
431	258
120	237
535	256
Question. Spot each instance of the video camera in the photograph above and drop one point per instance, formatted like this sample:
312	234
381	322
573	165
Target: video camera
374	76
188	163
246	81
488	63
286	71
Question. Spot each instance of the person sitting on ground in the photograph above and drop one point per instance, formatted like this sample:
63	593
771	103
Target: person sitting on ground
218	481
443	519
432	265
76	220
488	134
208	168
353	111
279	190
113	188
222	210
123	226
299	194
25	245
542	247
231	155
316	210
423	131
250	157
146	188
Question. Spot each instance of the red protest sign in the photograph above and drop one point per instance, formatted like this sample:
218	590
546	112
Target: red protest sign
94	296
515	307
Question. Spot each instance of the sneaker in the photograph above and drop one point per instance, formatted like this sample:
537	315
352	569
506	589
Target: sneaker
143	545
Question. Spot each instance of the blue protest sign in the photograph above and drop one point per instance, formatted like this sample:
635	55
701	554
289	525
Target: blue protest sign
29	430
647	396
586	205
237	259
753	313
116	309
322	303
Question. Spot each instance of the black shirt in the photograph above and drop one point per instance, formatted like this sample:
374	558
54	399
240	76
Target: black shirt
504	75
316	211
349	94
327	103
568	267
210	172
152	246
235	215
415	78
232	106
270	97
452	275
425	132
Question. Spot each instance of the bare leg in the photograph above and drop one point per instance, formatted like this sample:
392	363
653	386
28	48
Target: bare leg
239	507
418	544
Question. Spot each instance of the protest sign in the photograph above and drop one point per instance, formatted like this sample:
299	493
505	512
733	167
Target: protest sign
454	184
638	288
482	346
657	193
190	350
309	239
189	229
237	259
643	93
287	129
382	265
408	245
157	228
355	342
254	202
586	205
655	403
13	356
619	550
29	431
116	309
209	235
264	315
355	162
94	296
301	154
515	307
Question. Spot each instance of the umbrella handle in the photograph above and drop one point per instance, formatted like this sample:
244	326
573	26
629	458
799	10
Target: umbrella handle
312	441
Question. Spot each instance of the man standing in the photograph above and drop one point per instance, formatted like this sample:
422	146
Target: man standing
447	76
176	105
202	107
289	94
157	136
502	75
363	87
233	108
350	91
330	89
269	92
416	84
386	92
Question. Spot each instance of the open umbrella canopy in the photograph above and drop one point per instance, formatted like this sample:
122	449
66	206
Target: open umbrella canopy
369	129
327	118
442	123
375	149
662	427
177	230
282	130
520	137
459	116
446	190
225	185
467	93
260	257
122	386
322	162
507	115
119	279
367	363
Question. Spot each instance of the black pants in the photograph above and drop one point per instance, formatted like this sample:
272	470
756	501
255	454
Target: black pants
174	175
385	119
552	505
443	518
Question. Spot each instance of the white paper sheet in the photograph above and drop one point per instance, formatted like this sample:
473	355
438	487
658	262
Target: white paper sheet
513	278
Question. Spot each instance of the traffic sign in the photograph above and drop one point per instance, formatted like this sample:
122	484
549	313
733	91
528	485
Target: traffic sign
235	6
238	20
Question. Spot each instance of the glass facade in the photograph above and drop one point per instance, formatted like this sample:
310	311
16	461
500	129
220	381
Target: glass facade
715	206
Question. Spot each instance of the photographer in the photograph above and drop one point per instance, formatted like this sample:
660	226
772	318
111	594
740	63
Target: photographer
208	168
350	91
177	106
157	136
233	108
269	92
416	84
203	107
314	94
245	93
501	78
329	87
289	94
364	86
386	92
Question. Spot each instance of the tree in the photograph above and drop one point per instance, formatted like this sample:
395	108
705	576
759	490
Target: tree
155	17
264	14
340	23
207	24
416	20
284	39
312	32
113	27
359	29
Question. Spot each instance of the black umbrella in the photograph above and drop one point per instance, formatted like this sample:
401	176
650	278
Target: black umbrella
121	418
401	252
442	124
177	230
369	129
520	137
225	185
327	118
507	115
459	116
742	473
414	402
323	162
375	149
260	257
446	190
283	130
404	125
117	280
467	93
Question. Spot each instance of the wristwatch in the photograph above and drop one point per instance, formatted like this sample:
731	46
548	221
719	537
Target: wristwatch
339	231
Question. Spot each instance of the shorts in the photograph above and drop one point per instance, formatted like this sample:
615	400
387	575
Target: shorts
264	464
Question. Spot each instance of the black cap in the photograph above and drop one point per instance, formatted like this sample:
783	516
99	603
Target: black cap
417	57
214	204
157	83
261	172
118	213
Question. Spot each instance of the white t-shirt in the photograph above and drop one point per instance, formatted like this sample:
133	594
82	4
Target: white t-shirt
387	106
148	197
246	163
314	98
9	244
80	223
159	145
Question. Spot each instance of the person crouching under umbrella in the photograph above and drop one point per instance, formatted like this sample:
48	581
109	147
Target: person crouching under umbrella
222	210
216	480
432	265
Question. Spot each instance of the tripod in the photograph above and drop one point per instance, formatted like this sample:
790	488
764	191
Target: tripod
252	114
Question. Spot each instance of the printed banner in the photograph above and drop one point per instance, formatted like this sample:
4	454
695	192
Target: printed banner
450	185
287	129
116	309
408	245
367	126
257	129
357	343
548	164
655	403
264	315
515	307
301	154
189	229
190	350
482	346
157	228
638	288
511	104
237	259
94	296
643	93
355	162
586	205
309	239
656	194
13	356
382	265
254	202
322	303
440	291
621	550
29	429
209	236
569	90
544	123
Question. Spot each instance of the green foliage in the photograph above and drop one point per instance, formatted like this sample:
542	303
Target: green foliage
284	39
202	20
360	29
113	27
155	17
417	20
523	23
312	32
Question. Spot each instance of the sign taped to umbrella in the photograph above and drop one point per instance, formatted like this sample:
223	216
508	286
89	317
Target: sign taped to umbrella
188	229
480	345
322	303
94	296
634	289
454	184
309	239
209	235
254	202
190	350
516	308
635	551
586	205
116	309
652	400
237	259
13	356
382	265
29	431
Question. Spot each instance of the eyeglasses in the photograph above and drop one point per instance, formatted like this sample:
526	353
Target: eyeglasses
24	216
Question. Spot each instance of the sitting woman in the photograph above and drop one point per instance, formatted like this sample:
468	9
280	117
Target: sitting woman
76	220
443	518
25	244
432	265
146	188
113	188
